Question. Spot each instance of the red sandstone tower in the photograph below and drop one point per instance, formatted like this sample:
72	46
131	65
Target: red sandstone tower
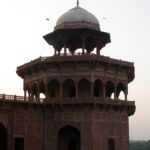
81	108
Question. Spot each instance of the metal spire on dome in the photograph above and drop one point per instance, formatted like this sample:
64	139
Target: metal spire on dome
77	2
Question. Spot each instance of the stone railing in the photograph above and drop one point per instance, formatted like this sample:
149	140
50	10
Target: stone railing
105	103
11	97
22	99
98	100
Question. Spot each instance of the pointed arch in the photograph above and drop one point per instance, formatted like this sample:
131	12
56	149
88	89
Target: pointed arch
34	92
110	89
84	88
98	88
41	87
69	88
68	138
54	88
42	93
27	91
120	91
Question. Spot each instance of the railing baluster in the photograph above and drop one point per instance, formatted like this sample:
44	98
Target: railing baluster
97	100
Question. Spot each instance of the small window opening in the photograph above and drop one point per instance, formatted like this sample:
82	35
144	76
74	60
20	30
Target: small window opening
3	137
19	143
111	144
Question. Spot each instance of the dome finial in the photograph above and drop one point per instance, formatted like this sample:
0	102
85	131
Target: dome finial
77	2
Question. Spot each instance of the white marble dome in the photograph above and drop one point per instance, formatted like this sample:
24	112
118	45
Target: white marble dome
77	17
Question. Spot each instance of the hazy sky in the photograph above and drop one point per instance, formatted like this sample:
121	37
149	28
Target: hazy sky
22	25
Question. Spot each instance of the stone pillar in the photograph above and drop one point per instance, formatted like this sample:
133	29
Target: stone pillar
61	90
115	93
31	94
126	93
55	52
25	95
104	91
31	97
65	49
83	44
38	95
76	84
24	90
59	53
46	91
97	50
92	85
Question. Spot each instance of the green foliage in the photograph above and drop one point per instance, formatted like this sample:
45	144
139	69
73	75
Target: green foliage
139	145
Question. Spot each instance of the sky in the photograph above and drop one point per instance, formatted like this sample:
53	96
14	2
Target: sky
23	24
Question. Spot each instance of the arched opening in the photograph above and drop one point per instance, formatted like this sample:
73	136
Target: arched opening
68	138
42	97
78	51
121	96
42	91
112	95
84	88
42	87
34	92
120	91
3	137
27	93
54	89
98	89
109	89
74	43
58	46
69	89
90	44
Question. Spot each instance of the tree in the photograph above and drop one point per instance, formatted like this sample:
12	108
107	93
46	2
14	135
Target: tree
139	145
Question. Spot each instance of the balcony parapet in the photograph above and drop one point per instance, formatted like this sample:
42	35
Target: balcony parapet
102	102
19	99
